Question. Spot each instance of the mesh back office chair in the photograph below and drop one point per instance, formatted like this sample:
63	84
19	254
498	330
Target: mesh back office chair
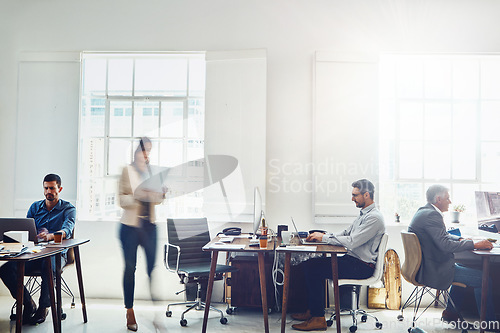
183	255
377	275
33	284
411	265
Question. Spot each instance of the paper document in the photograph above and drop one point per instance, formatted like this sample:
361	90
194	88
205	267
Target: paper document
221	245
298	248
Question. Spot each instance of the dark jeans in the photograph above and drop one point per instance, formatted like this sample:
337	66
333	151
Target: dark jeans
8	274
472	278
131	238
316	270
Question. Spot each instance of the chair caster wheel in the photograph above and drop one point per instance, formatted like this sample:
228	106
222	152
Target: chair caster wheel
363	318
223	321
63	316
378	325
329	323
72	305
183	322
353	328
168	313
400	317
229	311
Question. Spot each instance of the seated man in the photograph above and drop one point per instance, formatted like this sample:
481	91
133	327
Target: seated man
361	239
51	215
438	269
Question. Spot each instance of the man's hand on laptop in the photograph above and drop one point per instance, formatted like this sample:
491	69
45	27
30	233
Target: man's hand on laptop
44	235
315	237
483	245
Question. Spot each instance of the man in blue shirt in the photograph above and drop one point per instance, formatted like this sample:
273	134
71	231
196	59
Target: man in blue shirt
51	215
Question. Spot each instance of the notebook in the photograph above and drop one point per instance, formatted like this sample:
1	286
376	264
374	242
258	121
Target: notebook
303	240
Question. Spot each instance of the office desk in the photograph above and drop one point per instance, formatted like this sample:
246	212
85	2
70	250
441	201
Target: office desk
324	249
69	244
45	254
262	276
484	287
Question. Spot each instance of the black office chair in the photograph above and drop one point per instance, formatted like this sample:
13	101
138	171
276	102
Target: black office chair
184	256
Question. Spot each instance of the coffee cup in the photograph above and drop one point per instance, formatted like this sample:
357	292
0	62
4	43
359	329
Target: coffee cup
58	237
286	236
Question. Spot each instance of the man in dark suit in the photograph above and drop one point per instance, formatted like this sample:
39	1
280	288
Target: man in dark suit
438	269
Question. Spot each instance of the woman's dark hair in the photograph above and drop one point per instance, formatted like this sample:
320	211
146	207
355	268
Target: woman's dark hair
140	146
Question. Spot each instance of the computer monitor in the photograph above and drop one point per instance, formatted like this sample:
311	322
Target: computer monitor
257	209
488	208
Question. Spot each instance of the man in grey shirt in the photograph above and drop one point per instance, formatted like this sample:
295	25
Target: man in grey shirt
361	238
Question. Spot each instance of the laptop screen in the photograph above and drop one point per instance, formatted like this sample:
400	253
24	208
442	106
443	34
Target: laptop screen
18	224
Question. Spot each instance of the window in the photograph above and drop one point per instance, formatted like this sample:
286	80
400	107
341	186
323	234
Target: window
438	120
124	97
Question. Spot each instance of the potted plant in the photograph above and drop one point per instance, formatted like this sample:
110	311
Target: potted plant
455	213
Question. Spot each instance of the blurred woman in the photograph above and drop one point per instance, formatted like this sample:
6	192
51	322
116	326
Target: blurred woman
137	222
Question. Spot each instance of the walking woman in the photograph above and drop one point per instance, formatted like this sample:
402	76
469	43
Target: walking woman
137	222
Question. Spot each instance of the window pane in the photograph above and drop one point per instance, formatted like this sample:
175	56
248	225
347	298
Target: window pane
437	160
463	194
464	121
196	119
437	78
437	121
172	115
409	199
490	162
410	159
94	77
196	77
120	120
411	119
92	121
410	77
120	73
490	118
195	150
464	160
490	78
120	154
466	78
146	119
165	77
171	152
92	165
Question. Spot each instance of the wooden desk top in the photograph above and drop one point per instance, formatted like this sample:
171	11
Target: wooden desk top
271	244
69	243
46	252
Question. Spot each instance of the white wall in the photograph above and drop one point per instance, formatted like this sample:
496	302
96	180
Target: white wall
291	31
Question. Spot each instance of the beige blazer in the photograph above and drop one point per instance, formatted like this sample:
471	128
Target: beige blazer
129	201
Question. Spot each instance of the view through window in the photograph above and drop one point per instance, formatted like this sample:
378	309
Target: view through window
438	125
125	97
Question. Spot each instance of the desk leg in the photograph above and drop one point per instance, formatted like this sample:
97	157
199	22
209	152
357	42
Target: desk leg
210	286
336	292
20	295
79	275
263	291
286	282
58	290
56	319
484	290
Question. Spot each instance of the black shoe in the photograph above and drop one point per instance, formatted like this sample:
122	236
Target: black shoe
40	315
28	312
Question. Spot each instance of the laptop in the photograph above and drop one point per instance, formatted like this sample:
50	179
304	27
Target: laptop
18	224
303	240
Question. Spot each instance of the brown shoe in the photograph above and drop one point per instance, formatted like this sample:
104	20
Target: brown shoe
39	316
449	316
302	316
313	324
131	323
29	311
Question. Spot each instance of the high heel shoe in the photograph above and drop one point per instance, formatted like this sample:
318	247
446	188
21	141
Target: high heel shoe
131	323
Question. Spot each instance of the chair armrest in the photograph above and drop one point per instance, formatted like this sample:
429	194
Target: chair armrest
165	255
